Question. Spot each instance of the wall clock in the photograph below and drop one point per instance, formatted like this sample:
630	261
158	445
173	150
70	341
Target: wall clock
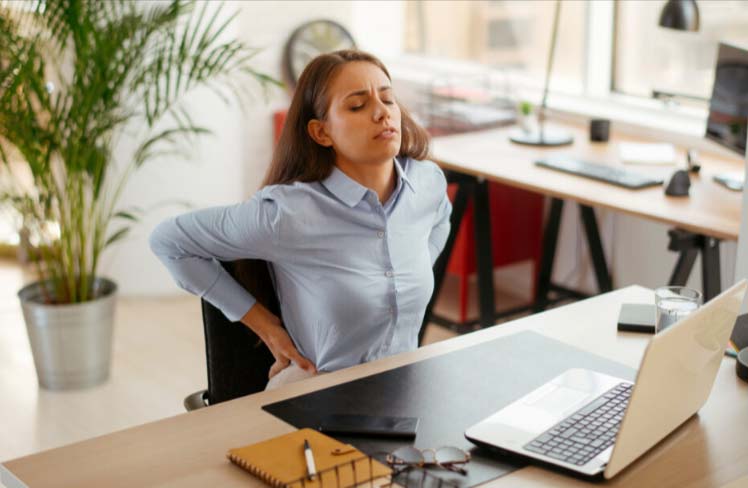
308	41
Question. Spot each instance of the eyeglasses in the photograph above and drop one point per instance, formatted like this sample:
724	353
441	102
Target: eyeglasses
451	458
362	473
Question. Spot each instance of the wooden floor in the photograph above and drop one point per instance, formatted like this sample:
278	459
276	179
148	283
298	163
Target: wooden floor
158	358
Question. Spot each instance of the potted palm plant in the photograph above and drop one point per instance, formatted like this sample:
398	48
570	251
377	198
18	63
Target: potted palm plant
74	74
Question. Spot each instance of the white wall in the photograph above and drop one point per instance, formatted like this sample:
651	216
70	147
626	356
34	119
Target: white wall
377	26
212	176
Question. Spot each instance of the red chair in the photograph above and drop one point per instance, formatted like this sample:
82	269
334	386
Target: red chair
279	117
516	234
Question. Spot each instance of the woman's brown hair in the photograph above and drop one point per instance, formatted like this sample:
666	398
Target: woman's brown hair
297	157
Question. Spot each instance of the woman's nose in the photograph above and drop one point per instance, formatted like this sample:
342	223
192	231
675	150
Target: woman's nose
381	110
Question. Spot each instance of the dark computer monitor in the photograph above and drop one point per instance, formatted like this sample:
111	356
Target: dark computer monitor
726	125
728	109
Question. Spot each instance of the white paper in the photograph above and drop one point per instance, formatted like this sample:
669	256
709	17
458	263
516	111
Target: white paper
642	153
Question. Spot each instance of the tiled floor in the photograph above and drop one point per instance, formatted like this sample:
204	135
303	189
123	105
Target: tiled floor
158	358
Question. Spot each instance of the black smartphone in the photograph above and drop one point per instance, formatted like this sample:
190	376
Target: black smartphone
637	317
369	425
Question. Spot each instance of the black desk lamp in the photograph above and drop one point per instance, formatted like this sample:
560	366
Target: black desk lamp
543	136
680	15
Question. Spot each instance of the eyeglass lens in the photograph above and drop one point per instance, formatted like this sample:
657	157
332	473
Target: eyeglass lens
450	455
408	455
443	455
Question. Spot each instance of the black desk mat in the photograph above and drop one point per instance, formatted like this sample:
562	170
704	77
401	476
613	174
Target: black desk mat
449	393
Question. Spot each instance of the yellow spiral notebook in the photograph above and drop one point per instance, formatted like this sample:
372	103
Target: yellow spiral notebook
280	461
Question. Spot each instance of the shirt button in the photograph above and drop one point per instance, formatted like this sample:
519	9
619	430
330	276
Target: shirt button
380	234
389	273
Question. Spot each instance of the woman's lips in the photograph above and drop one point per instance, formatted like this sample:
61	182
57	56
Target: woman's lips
386	134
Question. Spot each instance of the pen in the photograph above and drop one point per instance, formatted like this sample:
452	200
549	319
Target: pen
310	468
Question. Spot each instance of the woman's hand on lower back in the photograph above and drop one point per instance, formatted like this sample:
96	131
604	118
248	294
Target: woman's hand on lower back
269	329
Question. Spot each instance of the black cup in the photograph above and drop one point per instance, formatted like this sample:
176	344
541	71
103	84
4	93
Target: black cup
599	130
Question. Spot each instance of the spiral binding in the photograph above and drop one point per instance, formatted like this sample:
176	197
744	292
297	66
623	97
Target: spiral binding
254	470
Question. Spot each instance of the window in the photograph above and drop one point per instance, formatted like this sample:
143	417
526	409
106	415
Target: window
22	5
650	58
508	34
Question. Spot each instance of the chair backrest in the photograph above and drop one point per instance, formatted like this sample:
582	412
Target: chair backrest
238	361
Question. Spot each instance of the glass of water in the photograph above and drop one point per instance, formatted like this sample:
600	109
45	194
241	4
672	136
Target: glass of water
674	303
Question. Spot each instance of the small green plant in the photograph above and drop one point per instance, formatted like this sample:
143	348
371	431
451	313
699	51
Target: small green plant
73	75
525	108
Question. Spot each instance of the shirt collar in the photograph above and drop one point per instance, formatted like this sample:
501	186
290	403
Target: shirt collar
401	172
344	187
350	191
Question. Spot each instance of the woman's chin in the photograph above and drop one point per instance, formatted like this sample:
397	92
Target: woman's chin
392	149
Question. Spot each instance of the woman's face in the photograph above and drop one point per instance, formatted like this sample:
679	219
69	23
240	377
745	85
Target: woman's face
363	120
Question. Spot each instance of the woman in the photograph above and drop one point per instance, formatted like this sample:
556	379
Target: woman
348	218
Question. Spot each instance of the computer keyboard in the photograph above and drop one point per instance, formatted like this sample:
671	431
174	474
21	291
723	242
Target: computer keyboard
600	172
588	432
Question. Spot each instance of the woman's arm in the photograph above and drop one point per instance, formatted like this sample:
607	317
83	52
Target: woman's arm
191	246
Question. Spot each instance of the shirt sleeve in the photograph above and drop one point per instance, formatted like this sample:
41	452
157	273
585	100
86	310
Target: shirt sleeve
191	246
440	231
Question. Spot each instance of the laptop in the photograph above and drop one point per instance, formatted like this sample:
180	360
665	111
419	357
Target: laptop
595	424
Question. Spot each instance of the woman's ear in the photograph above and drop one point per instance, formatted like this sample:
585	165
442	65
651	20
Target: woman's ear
316	130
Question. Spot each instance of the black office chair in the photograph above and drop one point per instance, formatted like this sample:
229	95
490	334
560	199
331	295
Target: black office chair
238	361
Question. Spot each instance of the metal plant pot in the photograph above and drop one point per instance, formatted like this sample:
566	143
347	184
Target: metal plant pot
71	344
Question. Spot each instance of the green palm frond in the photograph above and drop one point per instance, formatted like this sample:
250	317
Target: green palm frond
73	75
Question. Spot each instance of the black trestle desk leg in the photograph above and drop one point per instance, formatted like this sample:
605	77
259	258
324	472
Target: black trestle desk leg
710	271
464	189
484	254
683	267
604	282
689	245
550	237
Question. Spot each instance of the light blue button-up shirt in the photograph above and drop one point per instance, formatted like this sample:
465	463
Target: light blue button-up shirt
353	276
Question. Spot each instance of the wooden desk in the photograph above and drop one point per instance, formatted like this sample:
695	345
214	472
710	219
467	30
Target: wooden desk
188	450
711	213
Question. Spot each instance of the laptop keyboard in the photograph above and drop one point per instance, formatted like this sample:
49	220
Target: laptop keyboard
586	433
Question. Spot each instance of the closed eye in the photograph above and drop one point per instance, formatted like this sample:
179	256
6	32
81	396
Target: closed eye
359	107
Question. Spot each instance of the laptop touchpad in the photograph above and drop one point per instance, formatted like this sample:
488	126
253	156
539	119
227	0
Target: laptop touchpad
559	399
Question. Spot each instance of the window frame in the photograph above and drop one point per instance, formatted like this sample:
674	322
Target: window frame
598	98
600	70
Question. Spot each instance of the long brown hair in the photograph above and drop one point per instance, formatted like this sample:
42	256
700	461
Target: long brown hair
297	156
